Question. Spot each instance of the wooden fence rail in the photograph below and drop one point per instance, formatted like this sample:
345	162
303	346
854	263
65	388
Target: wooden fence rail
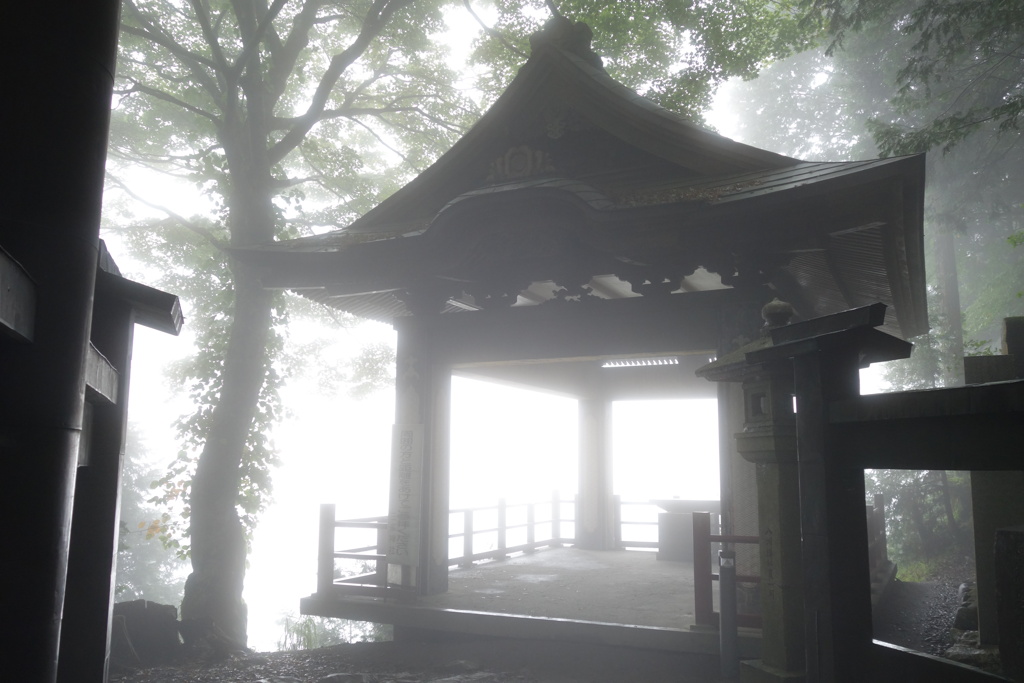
703	577
374	583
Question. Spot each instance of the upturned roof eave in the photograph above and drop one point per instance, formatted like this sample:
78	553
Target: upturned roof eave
596	95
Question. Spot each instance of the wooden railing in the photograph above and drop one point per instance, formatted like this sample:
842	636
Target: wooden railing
621	523
703	577
540	530
500	548
372	583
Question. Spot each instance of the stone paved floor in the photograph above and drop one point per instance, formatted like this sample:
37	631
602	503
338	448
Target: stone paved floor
619	587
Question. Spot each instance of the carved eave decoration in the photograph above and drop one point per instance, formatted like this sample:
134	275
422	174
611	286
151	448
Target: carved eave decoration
572	189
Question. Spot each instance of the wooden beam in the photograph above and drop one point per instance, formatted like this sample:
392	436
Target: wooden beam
17	299
101	376
674	324
152	307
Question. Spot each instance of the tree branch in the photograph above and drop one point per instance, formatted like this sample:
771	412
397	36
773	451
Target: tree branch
196	64
494	33
282	62
166	97
373	24
206	233
203	17
252	42
372	132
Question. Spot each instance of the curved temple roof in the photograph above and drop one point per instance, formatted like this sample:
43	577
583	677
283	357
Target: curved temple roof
572	187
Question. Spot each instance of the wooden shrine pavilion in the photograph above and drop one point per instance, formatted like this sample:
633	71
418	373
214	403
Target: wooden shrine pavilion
578	223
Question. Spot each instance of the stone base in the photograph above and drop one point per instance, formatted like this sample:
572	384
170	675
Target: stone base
756	671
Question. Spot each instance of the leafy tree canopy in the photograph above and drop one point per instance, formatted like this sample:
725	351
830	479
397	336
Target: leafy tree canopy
676	53
964	69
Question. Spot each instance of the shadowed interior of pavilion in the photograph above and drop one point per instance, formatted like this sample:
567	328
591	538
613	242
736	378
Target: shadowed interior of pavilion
575	224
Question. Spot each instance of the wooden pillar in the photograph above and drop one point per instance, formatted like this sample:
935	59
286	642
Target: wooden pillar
418	509
89	598
826	355
836	580
56	83
595	518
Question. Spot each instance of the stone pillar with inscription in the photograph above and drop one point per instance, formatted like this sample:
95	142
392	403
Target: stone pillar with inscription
418	507
768	440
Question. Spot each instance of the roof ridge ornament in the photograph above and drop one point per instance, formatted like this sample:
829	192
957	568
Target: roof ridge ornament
568	35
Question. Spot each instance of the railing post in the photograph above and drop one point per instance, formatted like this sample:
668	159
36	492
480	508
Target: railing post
531	521
325	551
703	605
869	518
467	540
617	522
381	577
502	519
728	638
880	514
556	521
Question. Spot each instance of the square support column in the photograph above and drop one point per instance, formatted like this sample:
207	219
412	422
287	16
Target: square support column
89	594
825	355
595	513
418	509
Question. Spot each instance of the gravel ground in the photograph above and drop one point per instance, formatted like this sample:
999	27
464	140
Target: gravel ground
476	661
915	615
919	615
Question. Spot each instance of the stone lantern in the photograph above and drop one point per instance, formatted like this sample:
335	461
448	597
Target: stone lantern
769	440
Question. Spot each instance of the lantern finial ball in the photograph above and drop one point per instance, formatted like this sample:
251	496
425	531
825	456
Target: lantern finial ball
776	313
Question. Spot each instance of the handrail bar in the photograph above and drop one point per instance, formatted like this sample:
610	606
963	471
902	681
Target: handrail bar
719	538
374	553
341	555
349	524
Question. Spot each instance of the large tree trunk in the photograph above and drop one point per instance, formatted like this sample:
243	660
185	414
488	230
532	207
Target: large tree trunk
212	608
949	291
947	505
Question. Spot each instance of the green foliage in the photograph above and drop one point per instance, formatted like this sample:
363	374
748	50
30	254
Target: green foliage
919	505
676	53
372	370
309	632
964	68
145	569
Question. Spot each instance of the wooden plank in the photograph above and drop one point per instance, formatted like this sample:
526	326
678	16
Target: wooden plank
17	299
865	316
101	376
890	662
963	428
153	308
